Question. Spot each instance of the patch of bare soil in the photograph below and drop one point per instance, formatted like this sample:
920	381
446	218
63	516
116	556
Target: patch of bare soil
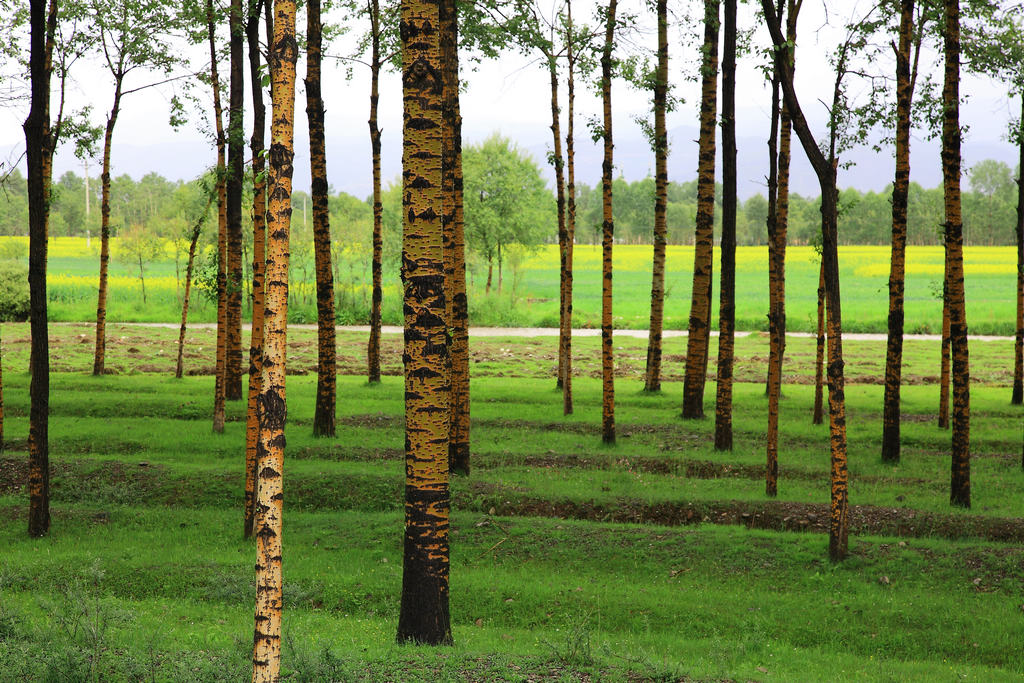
773	515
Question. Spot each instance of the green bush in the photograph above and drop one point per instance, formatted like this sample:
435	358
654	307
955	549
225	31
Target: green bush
13	292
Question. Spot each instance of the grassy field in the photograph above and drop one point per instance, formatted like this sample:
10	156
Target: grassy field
655	559
530	293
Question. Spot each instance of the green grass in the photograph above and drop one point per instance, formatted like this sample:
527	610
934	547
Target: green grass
530	294
145	575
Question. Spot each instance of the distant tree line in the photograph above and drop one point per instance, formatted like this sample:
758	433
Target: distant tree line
160	206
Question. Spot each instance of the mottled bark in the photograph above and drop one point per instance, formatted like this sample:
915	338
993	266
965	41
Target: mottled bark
897	261
727	294
960	480
652	375
266	657
233	183
456	311
39	154
376	296
259	263
819	356
607	236
570	210
326	367
700	303
424	615
559	164
944	360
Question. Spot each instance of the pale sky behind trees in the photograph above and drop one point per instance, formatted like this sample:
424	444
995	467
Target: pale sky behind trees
512	95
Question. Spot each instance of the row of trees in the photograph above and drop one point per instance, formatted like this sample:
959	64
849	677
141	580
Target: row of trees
165	208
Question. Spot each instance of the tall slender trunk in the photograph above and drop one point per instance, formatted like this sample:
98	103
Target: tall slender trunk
773	385
236	153
456	311
558	160
219	385
825	170
570	211
259	262
819	356
727	302
266	657
193	242
373	345
1018	347
897	263
424	616
607	237
652	376
99	358
39	153
700	303
326	369
960	480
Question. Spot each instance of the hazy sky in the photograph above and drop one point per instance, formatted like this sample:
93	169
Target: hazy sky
511	95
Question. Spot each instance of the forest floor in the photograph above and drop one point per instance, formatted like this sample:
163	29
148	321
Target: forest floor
657	558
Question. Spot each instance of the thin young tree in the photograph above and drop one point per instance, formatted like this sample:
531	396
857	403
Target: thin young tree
220	373
819	355
607	235
259	257
233	195
778	224
825	169
423	614
565	318
326	368
266	656
376	296
193	243
132	36
652	375
960	481
699	337
727	301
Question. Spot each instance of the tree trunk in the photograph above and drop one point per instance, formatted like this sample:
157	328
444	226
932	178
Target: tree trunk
774	383
825	170
897	266
960	482
266	657
326	369
607	238
99	358
259	263
945	359
558	161
727	301
490	273
373	345
700	304
1018	347
424	615
652	376
570	217
180	365
236	153
219	387
456	311
819	357
39	155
